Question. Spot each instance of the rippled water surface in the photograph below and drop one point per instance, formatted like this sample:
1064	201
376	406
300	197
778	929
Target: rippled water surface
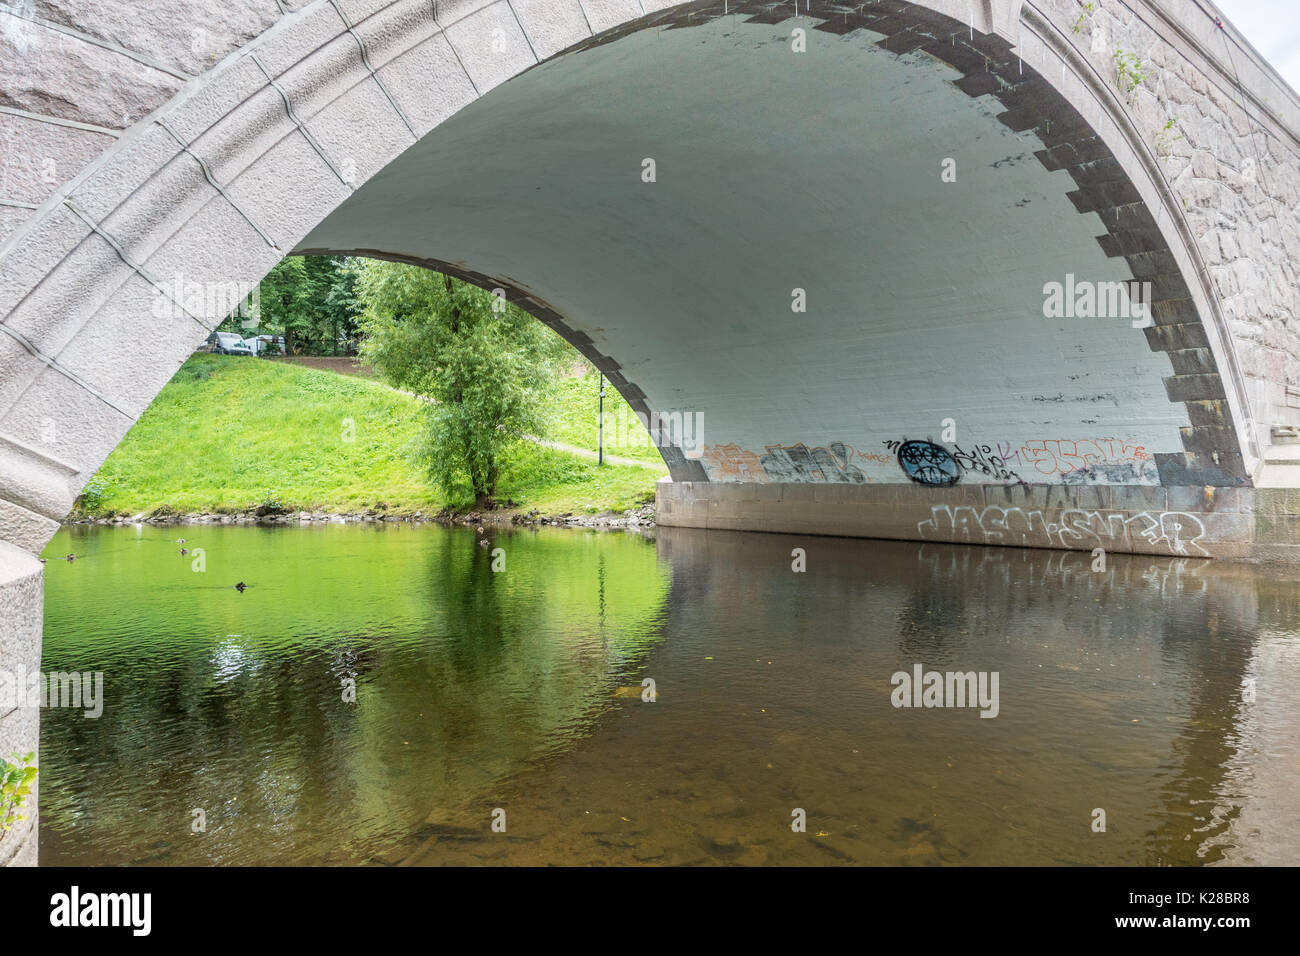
1159	691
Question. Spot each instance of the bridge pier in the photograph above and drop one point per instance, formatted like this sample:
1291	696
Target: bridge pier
1179	521
22	597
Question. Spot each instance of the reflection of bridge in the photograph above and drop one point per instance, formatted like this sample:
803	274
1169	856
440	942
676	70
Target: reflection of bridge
1194	628
809	239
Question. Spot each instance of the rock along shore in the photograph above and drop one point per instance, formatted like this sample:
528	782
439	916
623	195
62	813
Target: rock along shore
640	519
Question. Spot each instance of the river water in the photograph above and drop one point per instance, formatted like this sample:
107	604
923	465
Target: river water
1155	697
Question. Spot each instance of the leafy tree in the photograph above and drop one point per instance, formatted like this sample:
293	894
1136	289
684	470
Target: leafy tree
311	301
483	364
286	300
341	309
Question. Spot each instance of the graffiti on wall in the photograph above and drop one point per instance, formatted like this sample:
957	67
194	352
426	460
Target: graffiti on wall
928	463
733	463
1171	532
823	463
874	458
800	463
1085	460
982	460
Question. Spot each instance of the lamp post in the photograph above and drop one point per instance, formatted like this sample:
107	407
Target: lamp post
600	425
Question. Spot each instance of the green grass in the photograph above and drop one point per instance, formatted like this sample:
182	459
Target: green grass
227	433
555	482
574	416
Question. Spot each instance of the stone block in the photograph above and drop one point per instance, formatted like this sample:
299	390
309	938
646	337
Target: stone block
319	79
94	355
21	609
1138	498
396	29
147	219
25	528
605	14
70	79
85	428
1277	502
52	313
1085	497
361	131
357	11
289	190
552	25
220	92
115	178
242	137
42	156
177	35
11	218
219	251
491	45
1192	388
300	38
43	245
1274	530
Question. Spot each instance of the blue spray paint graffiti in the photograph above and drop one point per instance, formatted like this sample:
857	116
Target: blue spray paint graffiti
926	463
930	464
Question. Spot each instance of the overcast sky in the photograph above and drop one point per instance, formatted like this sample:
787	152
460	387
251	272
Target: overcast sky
1273	28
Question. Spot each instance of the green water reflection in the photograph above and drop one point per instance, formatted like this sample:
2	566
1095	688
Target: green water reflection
234	702
1160	691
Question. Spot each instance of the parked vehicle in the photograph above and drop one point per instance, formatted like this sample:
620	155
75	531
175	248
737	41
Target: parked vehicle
228	343
266	344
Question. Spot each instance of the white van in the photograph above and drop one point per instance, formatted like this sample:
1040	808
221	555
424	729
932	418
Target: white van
228	343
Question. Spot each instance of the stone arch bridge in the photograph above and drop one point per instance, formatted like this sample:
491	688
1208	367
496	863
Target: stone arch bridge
998	271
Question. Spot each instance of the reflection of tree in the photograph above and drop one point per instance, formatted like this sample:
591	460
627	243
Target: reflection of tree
462	676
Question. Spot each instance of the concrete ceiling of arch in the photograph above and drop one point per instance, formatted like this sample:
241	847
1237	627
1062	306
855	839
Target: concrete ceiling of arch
776	171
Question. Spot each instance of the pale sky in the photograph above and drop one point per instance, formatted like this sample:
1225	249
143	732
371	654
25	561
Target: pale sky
1273	28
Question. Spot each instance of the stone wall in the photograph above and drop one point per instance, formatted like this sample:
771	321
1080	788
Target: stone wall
21	607
1226	131
1209	522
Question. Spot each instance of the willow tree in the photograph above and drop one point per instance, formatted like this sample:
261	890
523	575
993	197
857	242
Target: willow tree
483	365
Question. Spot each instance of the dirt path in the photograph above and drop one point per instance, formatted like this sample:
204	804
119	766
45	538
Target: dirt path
342	365
586	453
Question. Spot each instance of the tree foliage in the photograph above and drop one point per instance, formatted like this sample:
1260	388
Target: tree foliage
311	301
483	364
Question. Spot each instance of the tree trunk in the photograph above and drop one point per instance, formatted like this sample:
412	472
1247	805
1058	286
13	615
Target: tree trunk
484	482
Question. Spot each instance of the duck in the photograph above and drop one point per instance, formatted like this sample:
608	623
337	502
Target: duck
240	587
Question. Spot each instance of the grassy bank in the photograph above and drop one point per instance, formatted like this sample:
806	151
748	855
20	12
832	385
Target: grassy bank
575	412
229	433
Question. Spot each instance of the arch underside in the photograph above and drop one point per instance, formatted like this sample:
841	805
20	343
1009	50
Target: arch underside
818	174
